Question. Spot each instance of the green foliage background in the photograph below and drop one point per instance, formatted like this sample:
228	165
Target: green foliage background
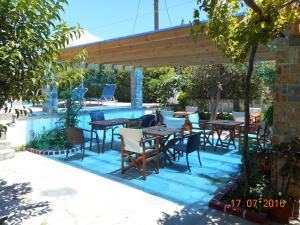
194	83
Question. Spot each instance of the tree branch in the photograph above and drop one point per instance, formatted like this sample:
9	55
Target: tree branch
254	7
289	3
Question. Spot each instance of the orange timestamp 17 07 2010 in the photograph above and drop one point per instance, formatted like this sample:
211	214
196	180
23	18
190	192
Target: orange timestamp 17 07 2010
253	203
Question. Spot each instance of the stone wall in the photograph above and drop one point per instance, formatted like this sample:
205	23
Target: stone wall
287	87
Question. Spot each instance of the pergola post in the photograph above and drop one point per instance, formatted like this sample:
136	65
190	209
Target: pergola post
287	87
136	87
51	104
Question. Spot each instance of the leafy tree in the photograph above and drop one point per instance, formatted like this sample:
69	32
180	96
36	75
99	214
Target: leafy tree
236	37
55	139
96	79
154	81
32	35
123	86
265	72
160	84
200	81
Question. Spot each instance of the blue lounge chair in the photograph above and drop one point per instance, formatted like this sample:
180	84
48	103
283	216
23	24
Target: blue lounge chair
79	93
108	93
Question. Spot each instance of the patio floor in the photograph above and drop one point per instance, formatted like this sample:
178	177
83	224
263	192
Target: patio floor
173	182
39	190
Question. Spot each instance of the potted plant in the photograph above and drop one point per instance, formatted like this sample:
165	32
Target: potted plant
286	178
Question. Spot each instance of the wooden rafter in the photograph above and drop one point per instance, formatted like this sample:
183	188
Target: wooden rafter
169	47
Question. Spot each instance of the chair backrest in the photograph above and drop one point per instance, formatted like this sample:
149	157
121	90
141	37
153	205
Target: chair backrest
262	128
78	93
239	116
194	118
131	139
148	120
166	113
254	110
176	123
191	108
82	91
193	142
108	92
97	116
74	135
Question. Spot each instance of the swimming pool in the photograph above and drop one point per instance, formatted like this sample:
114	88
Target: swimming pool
24	129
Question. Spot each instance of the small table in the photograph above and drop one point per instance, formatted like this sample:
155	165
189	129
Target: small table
231	126
108	124
164	133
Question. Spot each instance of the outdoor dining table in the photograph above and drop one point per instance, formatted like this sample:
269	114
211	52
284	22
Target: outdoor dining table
164	133
220	126
112	123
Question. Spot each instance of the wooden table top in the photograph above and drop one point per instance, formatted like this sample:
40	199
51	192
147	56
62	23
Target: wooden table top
183	113
111	122
225	123
255	114
160	130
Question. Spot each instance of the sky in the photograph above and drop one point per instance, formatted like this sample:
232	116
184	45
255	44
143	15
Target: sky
109	19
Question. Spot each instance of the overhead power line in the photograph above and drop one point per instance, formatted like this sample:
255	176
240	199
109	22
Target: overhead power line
136	16
143	15
168	12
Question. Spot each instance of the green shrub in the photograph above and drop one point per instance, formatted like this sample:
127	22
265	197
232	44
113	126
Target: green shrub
20	148
268	116
224	116
220	116
204	115
55	139
182	99
50	140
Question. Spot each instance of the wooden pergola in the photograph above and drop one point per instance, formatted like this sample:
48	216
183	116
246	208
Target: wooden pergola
167	47
175	47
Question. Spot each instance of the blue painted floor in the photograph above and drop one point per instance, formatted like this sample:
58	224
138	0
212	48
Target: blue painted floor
173	182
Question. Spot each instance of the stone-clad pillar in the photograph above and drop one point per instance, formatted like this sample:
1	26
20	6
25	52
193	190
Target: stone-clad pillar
136	83
287	88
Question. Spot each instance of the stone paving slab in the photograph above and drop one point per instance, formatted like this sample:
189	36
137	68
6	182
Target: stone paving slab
60	194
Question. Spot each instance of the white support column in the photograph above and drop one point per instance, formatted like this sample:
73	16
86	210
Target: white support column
136	83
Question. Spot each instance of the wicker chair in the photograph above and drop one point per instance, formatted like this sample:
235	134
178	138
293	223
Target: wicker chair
79	136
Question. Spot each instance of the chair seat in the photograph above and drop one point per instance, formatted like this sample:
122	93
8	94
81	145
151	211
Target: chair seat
202	131
99	127
181	147
195	130
251	136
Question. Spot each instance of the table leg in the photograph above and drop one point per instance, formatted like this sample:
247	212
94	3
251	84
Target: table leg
231	138
219	132
103	143
165	151
92	130
112	137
